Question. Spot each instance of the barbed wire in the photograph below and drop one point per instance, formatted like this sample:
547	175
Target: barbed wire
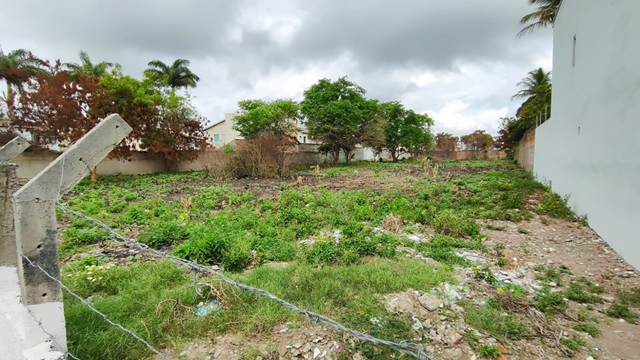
39	322
407	348
104	317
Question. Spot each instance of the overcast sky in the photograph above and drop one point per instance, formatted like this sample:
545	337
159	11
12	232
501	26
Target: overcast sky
457	60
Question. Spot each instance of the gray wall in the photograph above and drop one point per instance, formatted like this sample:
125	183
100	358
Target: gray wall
590	146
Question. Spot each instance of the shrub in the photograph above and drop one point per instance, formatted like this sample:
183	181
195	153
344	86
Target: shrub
163	232
237	257
621	311
322	252
452	223
85	236
556	206
205	244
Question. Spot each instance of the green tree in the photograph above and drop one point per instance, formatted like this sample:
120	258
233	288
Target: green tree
88	68
339	116
175	76
536	83
16	67
278	117
544	15
405	131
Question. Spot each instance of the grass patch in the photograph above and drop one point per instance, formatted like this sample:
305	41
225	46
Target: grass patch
618	310
441	248
590	329
584	292
492	320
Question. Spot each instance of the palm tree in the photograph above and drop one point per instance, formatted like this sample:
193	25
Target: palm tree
86	67
543	16
16	67
537	83
176	75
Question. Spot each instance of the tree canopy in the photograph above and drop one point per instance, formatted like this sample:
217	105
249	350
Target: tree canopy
477	141
543	16
16	67
340	116
175	76
405	131
278	117
447	142
87	67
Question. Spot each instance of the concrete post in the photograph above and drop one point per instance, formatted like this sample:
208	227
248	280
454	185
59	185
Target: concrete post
13	148
35	225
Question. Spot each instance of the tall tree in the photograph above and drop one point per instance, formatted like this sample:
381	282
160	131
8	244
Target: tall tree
278	117
339	116
16	67
177	75
405	131
536	83
544	15
87	67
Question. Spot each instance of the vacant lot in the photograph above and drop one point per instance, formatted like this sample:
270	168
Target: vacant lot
466	259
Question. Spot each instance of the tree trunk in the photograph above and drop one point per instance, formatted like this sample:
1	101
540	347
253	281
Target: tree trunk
94	174
394	155
336	156
9	101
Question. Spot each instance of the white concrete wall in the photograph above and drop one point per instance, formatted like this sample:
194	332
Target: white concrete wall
590	146
225	131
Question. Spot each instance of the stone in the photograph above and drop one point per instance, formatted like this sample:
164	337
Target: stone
503	349
491	341
430	302
316	353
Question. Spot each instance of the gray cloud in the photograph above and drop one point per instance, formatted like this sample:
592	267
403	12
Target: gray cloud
278	48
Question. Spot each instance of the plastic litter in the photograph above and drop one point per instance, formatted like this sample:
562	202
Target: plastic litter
205	309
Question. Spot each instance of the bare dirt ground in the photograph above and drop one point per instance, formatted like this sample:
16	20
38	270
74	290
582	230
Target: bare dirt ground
540	241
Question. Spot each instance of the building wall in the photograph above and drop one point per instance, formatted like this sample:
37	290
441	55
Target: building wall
525	154
224	130
589	147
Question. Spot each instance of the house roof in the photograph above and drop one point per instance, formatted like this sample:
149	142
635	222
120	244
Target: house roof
214	125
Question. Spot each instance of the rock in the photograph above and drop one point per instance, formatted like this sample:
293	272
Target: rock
357	356
491	341
453	354
590	358
427	324
417	326
456	339
283	351
430	302
316	353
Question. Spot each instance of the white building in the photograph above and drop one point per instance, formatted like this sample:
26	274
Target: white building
590	146
222	132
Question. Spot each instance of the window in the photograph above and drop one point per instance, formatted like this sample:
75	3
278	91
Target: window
573	55
216	137
305	139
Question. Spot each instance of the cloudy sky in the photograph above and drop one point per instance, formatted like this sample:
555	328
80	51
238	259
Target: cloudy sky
457	60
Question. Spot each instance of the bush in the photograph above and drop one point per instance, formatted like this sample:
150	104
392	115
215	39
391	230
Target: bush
163	232
452	223
237	257
322	252
205	244
556	206
84	236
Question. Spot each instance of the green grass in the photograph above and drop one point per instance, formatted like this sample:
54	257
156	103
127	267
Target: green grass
213	222
492	320
130	295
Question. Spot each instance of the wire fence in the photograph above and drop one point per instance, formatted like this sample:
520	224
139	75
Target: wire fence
407	348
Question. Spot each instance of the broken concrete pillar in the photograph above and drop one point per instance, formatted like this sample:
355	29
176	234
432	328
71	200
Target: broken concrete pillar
35	226
13	148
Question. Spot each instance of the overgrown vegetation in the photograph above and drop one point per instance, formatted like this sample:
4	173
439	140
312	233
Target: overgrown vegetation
340	245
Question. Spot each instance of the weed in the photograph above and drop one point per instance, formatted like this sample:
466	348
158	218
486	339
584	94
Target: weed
574	343
555	206
492	321
441	249
523	230
576	293
618	310
331	173
450	222
490	352
590	329
549	302
484	274
551	274
630	297
163	232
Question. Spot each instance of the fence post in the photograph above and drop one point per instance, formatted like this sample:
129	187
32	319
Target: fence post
36	227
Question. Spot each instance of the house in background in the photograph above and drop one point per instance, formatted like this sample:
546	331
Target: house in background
222	133
590	147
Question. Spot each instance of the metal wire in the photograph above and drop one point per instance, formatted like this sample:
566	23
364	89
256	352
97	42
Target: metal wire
104	317
409	349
